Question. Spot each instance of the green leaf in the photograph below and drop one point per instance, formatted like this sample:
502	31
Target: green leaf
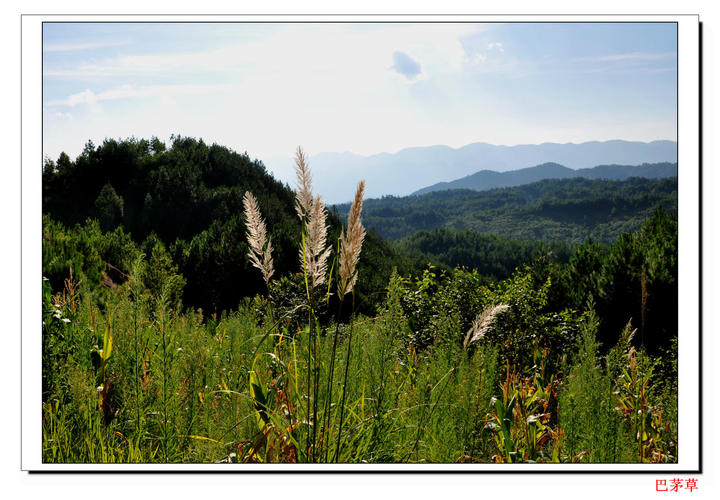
107	341
258	397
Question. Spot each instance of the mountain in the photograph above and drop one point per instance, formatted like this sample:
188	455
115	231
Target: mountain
409	170
563	210
489	179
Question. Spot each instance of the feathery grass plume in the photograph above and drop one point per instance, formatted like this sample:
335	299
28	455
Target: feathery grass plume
483	322
311	210
260	245
315	255
351	243
303	193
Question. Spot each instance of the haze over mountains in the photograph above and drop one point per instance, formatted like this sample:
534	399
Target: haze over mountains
335	175
489	179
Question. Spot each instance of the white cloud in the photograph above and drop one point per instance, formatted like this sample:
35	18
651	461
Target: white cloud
291	88
129	91
296	47
631	56
326	87
496	45
85	97
73	47
477	58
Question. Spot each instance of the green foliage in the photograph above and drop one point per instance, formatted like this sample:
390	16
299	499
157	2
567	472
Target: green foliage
109	207
563	210
592	426
132	374
190	197
488	254
93	255
636	279
180	390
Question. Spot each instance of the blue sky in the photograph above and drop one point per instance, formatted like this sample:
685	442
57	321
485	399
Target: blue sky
364	88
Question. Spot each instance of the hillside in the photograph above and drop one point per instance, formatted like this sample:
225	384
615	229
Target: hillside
182	205
569	210
411	169
489	179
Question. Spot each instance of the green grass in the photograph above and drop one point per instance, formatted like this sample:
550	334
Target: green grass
185	387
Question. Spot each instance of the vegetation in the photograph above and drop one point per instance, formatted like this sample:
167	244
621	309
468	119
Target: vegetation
562	210
571	356
489	254
187	200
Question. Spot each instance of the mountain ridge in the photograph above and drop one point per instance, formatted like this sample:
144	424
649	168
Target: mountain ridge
411	169
490	179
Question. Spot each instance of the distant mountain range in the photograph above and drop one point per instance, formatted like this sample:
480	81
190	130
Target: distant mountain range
489	179
335	175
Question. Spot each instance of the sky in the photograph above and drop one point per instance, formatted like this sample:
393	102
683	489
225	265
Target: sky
266	88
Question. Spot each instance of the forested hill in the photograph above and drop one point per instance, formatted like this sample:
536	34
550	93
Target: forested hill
182	206
569	210
489	179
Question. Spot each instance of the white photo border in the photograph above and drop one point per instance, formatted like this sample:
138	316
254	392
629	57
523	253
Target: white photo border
688	139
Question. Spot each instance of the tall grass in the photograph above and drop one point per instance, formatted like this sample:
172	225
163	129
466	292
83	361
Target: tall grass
401	403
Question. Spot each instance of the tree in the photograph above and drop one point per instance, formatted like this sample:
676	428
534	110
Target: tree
109	207
64	164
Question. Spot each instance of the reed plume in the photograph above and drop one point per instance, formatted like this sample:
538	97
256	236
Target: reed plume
315	252
351	243
260	245
483	322
303	193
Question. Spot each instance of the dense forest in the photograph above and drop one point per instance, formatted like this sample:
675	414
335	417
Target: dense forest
197	310
569	210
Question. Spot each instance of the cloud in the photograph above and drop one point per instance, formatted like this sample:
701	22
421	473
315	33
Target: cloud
85	97
288	49
638	56
130	91
477	58
630	56
406	65
496	45
73	47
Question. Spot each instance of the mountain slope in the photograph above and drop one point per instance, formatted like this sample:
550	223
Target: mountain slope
569	210
411	169
488	179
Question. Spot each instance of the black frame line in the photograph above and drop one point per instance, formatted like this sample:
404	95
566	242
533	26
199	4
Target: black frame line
356	468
